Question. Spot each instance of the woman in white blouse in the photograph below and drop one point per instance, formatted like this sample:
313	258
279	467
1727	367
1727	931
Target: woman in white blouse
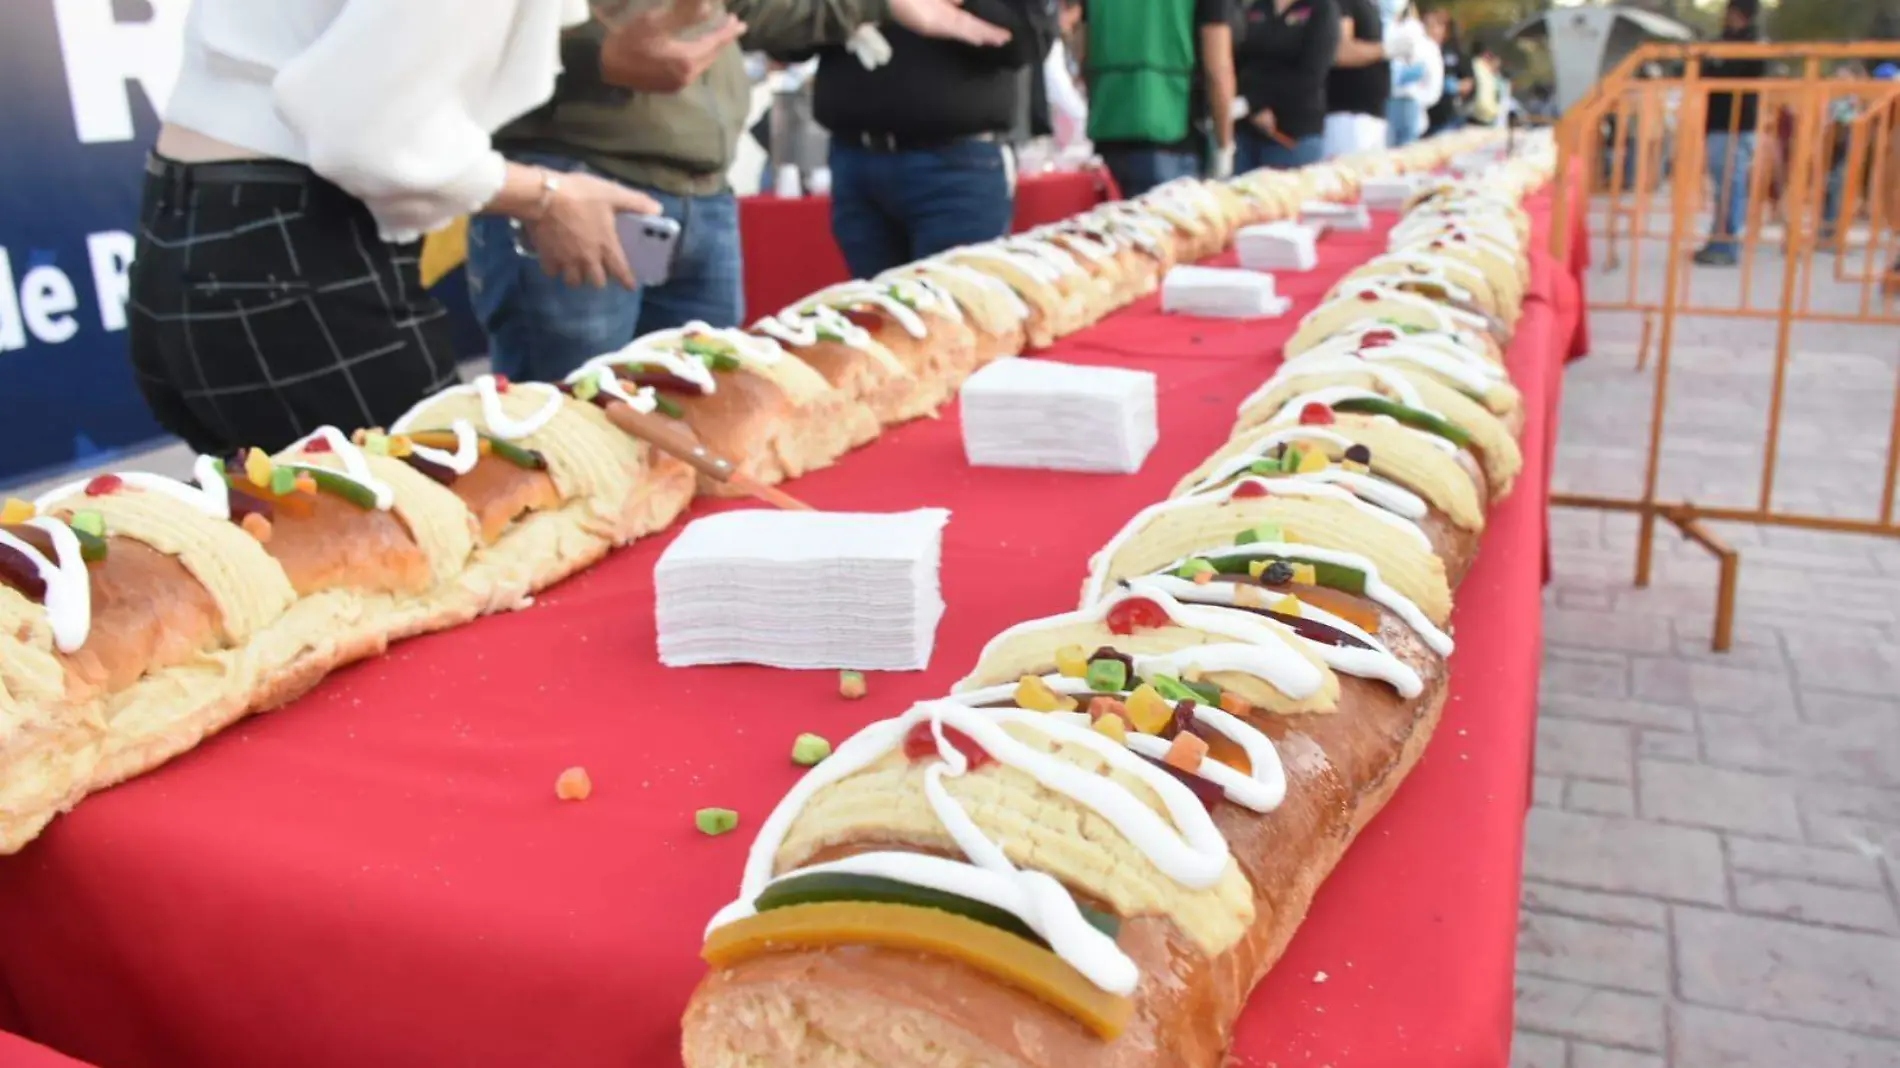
308	146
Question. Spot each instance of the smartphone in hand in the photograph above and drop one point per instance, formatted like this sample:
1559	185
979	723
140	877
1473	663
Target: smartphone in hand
650	242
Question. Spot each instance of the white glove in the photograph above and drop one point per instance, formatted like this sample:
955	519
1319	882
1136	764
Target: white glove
872	50
1223	163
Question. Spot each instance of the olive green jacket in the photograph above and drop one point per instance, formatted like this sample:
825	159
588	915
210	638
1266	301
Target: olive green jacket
683	142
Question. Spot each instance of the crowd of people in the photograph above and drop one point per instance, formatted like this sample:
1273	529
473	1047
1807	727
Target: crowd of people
310	144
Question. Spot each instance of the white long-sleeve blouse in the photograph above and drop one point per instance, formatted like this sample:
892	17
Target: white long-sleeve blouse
392	100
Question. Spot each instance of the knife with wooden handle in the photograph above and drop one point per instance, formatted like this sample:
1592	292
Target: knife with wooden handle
662	434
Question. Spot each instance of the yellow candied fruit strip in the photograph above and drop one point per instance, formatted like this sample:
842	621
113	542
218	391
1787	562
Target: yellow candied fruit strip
991	950
16	510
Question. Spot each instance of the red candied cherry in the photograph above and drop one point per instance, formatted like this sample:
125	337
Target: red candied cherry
1316	414
1136	613
317	445
1368	295
1252	487
502	383
921	744
103	485
1375	338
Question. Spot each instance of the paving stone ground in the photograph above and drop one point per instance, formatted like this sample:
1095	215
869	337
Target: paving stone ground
1712	857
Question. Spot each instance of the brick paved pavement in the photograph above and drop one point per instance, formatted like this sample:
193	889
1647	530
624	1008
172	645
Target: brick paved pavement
1712	859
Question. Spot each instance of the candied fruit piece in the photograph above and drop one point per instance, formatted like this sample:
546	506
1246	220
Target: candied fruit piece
1312	460
256	526
587	388
403	445
317	445
1235	705
574	784
1304	575
257	468
1112	726
1252	487
1186	752
103	485
305	483
88	522
283	481
851	685
375	444
16	511
1136	613
1316	414
1148	711
1359	454
1287	606
921	744
1072	661
715	821
502	383
810	749
1108	675
1036	695
1265	532
1193	569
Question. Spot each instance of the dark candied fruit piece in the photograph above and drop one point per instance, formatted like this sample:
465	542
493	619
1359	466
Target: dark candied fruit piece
1205	792
1359	454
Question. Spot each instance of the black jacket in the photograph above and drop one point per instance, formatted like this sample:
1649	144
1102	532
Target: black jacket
933	89
1282	62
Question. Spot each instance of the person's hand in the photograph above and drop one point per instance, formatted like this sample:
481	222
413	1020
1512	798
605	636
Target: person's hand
946	19
650	52
1223	162
575	238
1264	121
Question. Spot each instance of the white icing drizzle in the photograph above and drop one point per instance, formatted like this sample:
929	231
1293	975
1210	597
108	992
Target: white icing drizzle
355	466
1307	364
1186	845
1376	588
750	350
468	449
1042	248
1262	791
1034	266
1331	395
1439	353
1260	651
1376	662
1003	290
68	600
1290	486
500	423
927	294
856	294
1442	266
212	495
1375	490
1077	237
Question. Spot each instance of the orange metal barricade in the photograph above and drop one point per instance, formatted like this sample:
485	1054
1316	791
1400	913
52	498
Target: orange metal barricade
1825	180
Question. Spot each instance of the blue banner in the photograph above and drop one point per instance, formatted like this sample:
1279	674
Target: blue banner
81	82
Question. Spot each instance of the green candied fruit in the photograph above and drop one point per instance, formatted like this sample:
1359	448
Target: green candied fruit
1193	567
810	749
1265	532
715	821
88	522
283	480
1107	675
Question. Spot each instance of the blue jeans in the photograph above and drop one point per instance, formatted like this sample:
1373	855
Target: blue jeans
541	329
1404	121
1254	150
1731	209
889	208
1138	170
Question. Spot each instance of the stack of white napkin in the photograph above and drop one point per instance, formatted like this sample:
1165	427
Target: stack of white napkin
803	590
1390	194
1278	246
1039	413
1337	216
1220	293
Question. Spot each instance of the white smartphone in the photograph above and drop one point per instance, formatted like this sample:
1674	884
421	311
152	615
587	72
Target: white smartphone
650	242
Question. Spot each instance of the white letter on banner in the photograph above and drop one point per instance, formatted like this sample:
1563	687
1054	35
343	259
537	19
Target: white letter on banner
12	332
46	299
102	54
111	253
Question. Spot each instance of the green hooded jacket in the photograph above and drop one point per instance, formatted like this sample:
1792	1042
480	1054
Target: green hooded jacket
680	143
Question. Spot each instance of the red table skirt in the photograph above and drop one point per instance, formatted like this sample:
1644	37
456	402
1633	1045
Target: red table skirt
381	874
789	252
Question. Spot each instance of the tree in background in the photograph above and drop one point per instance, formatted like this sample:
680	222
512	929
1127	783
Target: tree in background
1834	20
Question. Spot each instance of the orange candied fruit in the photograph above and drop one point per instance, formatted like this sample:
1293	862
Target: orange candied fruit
574	784
1186	752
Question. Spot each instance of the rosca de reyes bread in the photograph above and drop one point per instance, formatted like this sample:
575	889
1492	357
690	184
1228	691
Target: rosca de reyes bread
1090	852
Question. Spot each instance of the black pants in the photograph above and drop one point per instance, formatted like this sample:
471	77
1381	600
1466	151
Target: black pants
263	305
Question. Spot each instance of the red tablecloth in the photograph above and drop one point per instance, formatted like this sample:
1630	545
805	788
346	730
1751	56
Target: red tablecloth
17	1052
789	251
380	874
